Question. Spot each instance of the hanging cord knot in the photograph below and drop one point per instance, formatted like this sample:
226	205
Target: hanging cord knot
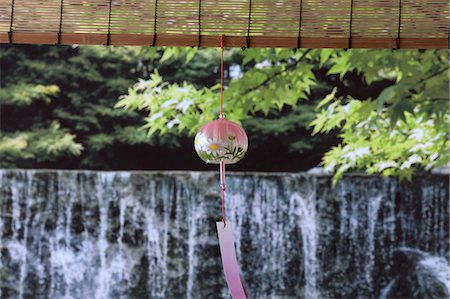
222	41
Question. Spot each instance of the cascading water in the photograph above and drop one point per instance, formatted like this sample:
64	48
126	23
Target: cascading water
81	234
373	207
307	215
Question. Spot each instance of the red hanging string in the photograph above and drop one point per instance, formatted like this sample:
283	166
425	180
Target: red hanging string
222	37
222	163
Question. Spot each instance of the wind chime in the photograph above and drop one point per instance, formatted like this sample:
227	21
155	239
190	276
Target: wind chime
224	142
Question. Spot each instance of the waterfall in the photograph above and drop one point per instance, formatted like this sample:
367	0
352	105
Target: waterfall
24	251
87	234
103	280
307	215
156	265
372	216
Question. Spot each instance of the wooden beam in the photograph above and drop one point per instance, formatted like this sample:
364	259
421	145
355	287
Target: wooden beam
230	41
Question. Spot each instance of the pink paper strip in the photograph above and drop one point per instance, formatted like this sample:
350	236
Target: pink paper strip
229	261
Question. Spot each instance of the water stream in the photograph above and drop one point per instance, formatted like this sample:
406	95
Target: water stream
82	234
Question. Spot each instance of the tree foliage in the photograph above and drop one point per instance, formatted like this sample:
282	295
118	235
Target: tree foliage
264	86
42	143
38	145
395	124
404	128
57	105
365	109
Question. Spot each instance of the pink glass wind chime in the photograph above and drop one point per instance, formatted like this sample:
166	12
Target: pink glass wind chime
224	142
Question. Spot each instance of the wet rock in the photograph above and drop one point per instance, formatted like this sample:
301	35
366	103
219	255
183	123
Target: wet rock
418	276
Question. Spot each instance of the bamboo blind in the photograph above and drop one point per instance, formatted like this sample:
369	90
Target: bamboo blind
246	23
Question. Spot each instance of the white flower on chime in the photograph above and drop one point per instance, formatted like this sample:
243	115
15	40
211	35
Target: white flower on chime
221	140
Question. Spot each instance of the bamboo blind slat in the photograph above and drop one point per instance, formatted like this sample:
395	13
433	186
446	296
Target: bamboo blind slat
132	17
246	23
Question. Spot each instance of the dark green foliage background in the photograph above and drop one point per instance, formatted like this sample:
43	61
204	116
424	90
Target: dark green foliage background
57	104
90	80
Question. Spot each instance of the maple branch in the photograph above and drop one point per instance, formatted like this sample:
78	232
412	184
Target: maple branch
289	67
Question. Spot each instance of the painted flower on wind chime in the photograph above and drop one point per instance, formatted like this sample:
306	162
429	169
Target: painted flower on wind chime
221	140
